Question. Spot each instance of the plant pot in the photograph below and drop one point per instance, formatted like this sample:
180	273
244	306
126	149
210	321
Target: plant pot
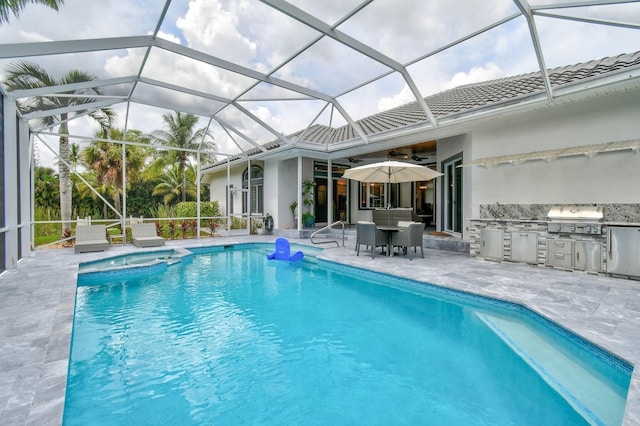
309	221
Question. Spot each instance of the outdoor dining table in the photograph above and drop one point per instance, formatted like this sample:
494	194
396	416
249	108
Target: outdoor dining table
389	230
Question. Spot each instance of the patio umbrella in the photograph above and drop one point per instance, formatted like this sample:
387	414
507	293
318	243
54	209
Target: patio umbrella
390	172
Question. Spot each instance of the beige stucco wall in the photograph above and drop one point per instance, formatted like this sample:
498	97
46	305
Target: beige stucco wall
606	178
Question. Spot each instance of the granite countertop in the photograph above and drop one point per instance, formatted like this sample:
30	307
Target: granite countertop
535	220
508	219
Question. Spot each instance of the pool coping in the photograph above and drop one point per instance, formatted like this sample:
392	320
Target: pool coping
36	312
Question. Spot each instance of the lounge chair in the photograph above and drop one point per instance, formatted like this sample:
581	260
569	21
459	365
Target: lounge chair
91	238
283	252
145	235
411	236
369	235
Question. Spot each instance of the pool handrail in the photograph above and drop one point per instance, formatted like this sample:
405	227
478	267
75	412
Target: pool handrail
326	228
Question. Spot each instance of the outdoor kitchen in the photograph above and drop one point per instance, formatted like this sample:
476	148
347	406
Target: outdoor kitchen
599	239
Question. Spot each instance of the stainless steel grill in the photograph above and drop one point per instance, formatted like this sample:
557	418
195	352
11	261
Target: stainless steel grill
575	219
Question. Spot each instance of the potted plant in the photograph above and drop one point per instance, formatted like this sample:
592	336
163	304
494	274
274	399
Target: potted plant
259	228
294	210
308	198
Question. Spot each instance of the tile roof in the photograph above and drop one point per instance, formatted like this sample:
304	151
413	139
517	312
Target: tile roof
460	100
471	97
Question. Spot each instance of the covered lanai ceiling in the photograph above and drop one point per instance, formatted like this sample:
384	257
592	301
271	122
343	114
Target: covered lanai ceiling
276	74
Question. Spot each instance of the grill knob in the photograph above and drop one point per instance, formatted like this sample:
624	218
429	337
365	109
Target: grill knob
587	229
572	228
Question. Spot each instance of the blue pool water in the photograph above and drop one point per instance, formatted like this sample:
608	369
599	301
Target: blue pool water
228	337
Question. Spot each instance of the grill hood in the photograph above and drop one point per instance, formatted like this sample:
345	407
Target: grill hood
575	213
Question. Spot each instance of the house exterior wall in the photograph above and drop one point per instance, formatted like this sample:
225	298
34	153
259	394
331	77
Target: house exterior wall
605	178
217	182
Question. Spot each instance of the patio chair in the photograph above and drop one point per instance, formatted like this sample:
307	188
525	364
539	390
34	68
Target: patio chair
411	236
369	235
91	238
145	235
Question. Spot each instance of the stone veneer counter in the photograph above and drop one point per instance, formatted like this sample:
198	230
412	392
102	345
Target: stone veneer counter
514	226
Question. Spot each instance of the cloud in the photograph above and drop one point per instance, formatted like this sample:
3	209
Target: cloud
209	25
402	97
490	71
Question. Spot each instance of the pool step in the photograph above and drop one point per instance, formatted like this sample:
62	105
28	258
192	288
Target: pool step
588	394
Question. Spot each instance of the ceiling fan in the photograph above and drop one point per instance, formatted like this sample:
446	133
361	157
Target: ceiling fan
398	154
415	157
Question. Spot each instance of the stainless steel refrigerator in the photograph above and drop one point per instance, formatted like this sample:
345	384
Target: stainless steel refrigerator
624	250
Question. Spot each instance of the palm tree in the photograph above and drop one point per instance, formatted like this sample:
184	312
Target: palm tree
74	155
17	6
172	184
105	159
27	75
180	134
89	192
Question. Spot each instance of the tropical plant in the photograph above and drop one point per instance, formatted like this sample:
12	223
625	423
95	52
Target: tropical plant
74	156
172	185
140	201
94	188
185	225
308	198
105	158
26	75
46	187
17	6
180	134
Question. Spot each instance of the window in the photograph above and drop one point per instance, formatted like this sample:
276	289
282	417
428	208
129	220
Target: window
256	190
371	195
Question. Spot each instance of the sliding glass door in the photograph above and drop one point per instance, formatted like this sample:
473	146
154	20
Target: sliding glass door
452	194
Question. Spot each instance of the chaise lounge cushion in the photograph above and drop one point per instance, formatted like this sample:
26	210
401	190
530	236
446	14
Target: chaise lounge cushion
144	235
91	238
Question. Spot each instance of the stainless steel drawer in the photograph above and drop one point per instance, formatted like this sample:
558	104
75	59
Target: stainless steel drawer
560	253
560	246
563	260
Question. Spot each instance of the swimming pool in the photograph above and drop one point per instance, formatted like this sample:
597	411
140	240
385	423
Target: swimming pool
228	337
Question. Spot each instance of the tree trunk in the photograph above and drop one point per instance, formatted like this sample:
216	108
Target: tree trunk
65	183
184	183
116	198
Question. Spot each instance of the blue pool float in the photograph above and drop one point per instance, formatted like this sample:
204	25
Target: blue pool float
283	251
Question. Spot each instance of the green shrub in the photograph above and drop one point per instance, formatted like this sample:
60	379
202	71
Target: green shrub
190	209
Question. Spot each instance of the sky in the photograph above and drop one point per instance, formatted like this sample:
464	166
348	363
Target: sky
255	36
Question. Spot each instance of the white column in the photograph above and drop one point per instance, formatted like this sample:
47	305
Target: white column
26	167
198	204
230	195
249	196
299	225
10	183
329	192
